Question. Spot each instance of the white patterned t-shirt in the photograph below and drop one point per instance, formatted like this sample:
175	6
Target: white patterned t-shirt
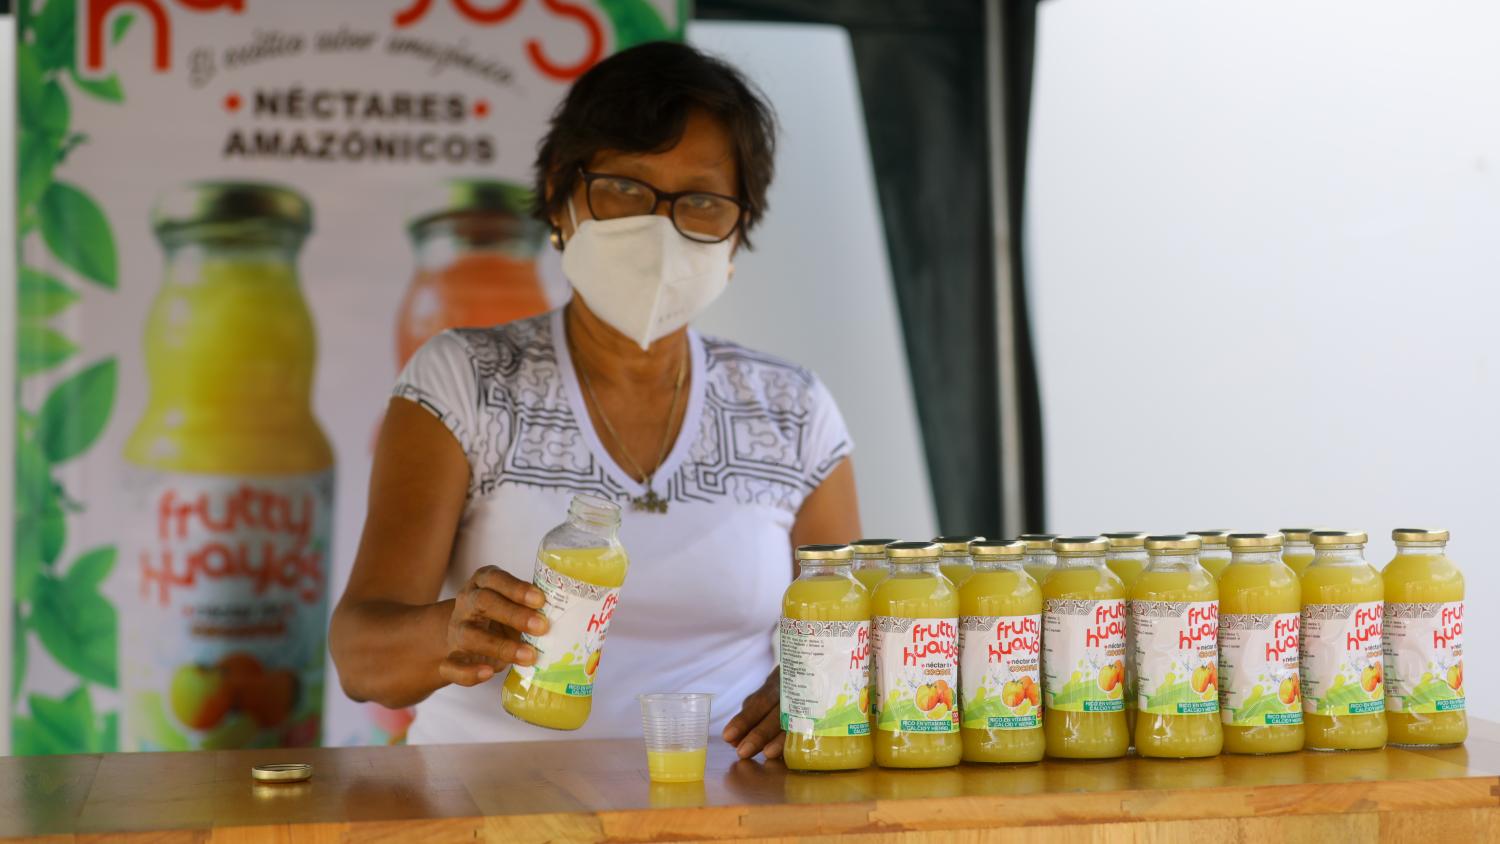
704	588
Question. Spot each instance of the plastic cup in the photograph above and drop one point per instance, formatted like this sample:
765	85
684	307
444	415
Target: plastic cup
675	725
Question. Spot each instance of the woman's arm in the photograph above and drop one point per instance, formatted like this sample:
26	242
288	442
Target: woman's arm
392	641
829	515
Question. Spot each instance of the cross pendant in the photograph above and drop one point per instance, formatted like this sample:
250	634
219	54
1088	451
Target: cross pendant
649	503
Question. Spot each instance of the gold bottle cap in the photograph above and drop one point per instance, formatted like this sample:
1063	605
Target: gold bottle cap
912	551
1254	541
1420	535
1297	534
228	207
956	546
870	547
997	549
1080	546
1038	541
1174	543
1339	537
1212	538
282	772
825	552
1126	541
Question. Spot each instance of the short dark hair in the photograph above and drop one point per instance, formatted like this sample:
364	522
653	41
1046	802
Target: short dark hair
638	100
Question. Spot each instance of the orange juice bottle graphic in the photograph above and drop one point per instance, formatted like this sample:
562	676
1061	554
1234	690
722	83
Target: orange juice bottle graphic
231	485
476	247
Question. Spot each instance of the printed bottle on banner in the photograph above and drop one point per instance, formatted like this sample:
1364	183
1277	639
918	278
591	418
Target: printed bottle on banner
580	568
1424	635
1260	690
1127	558
1343	690
1040	559
1214	555
870	565
1174	609
825	664
1083	654
915	633
1000	657
1296	549
230	478
956	564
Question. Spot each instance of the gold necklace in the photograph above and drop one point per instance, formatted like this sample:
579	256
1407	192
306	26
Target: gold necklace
650	502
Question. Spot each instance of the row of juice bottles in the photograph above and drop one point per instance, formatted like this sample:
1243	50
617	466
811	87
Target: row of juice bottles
925	654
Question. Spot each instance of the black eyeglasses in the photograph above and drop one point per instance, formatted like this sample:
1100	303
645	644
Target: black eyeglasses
697	215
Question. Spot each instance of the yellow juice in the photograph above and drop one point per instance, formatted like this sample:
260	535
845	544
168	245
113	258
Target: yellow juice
915	613
1296	549
956	572
1127	558
1343	702
870	565
1000	650
1424	615
1083	657
871	575
1174	609
1214	556
825	664
956	564
1260	694
677	765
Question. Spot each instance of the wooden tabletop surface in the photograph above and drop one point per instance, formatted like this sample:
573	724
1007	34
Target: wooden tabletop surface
598	790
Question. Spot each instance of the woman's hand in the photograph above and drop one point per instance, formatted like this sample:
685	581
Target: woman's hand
758	726
482	631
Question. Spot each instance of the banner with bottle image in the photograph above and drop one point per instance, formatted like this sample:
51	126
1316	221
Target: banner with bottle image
237	219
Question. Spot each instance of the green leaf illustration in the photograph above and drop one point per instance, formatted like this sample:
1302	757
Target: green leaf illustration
78	233
107	89
109	736
33	488
121	26
17	651
65	725
36	154
30	82
39	348
1431	692
54	34
53	530
1179	692
78	627
634	22
76	411
40	295
1259	707
52	114
90	570
1343	695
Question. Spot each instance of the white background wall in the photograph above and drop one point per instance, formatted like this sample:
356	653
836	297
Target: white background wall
1265	272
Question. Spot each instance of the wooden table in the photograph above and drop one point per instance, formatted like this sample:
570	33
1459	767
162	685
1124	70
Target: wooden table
598	791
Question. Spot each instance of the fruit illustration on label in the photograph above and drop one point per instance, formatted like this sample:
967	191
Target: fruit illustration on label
1013	693
592	665
200	697
1110	676
1290	691
1370	678
864	699
1205	677
1456	676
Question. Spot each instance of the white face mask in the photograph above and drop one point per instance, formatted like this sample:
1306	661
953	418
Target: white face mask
641	276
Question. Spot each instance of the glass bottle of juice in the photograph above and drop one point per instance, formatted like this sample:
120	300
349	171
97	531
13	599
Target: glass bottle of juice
870	565
1174	608
1127	558
1214	556
825	663
956	564
915	625
1424	633
476	245
1083	653
1343	699
1040	559
231	480
1000	657
1296	549
1260	606
580	568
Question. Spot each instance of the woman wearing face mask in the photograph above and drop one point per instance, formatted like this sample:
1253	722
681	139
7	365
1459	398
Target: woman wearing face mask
653	173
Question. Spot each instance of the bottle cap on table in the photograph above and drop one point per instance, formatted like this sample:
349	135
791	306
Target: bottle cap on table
282	772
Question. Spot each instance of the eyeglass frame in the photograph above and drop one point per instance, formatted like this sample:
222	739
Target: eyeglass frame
589	177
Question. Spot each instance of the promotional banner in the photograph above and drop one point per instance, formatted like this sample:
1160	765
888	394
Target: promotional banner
236	220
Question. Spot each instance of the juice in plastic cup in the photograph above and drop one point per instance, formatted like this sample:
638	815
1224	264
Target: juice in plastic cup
1260	606
1174	608
870	565
1000	655
1296	549
231	481
1040	559
955	564
1127	558
580	567
1424	631
916	661
1214	556
1083	654
1343	699
675	728
825	664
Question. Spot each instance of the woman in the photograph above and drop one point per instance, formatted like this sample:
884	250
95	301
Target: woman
653	172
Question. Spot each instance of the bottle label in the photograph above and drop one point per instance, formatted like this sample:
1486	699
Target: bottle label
1083	655
1177	656
225	633
1258	663
1424	657
567	655
1341	659
1132	683
825	674
916	674
1000	671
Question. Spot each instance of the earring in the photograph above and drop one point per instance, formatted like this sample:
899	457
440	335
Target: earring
556	238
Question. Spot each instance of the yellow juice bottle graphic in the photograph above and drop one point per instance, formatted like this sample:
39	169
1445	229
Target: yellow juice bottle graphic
1260	606
1214	556
825	664
232	480
955	564
1424	632
1083	654
1040	559
580	568
915	634
870	565
1174	608
1296	549
1127	558
1000	656
1343	698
